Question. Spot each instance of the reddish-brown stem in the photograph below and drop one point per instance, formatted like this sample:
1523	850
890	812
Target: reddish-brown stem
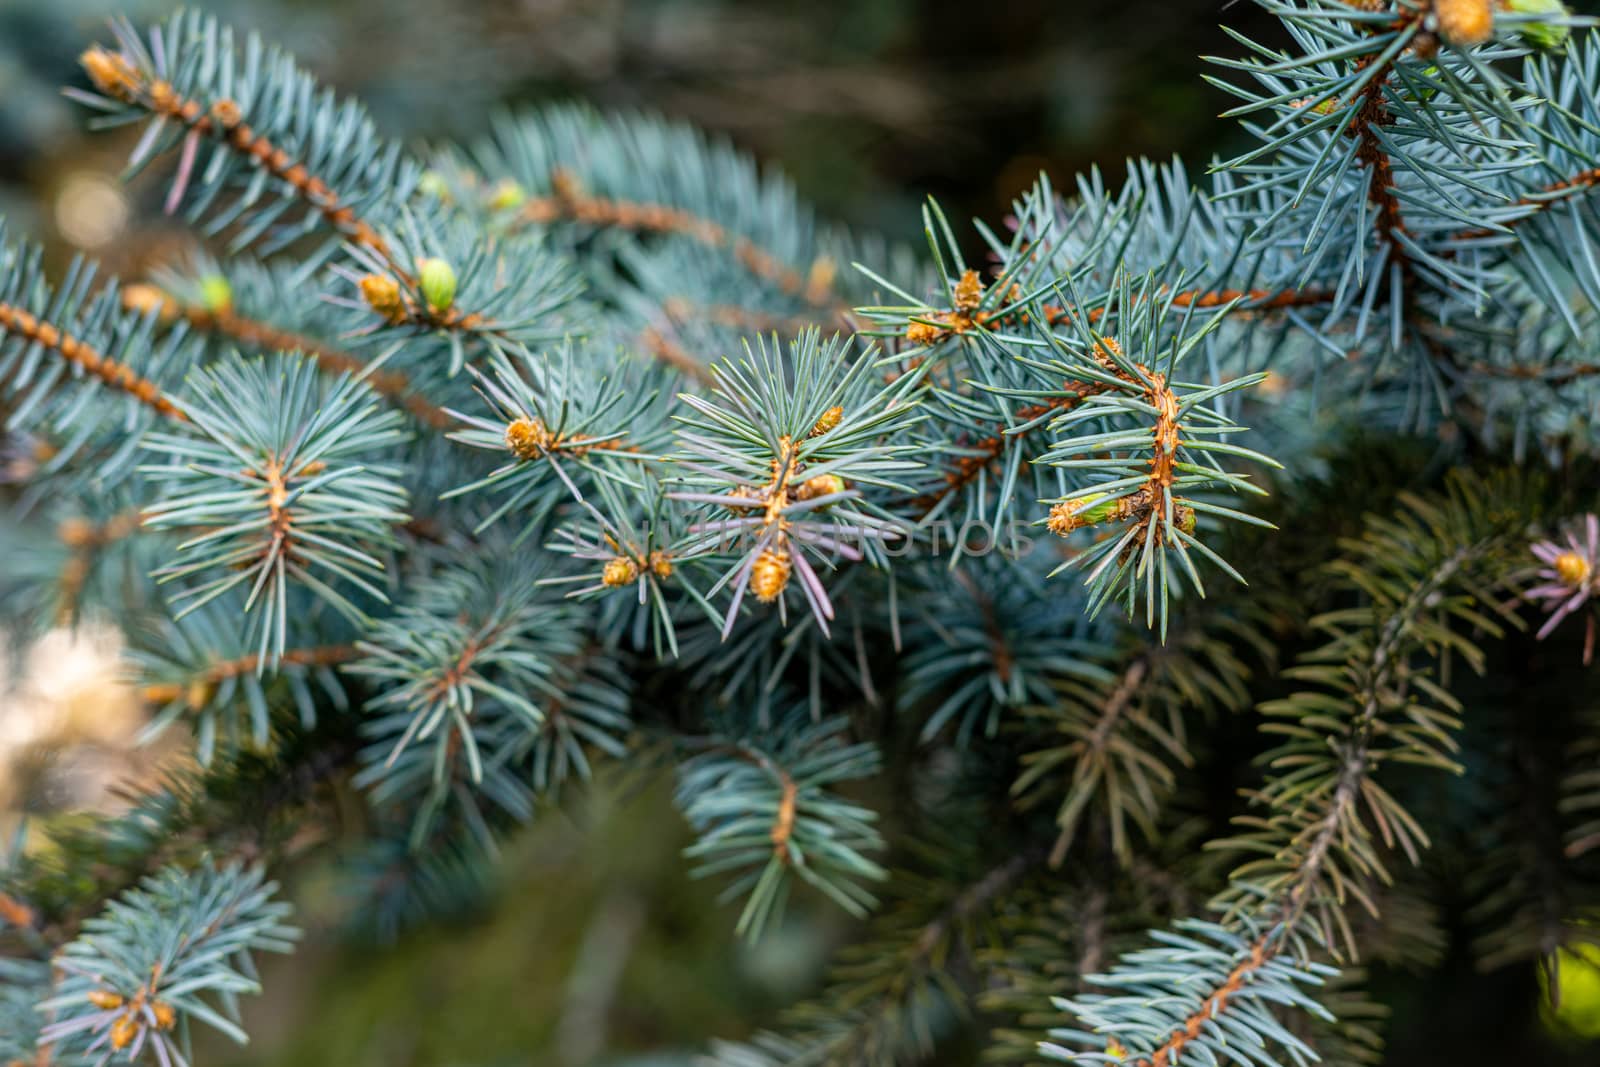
114	75
15	911
268	338
114	374
1585	179
783	825
937	325
320	656
569	201
1262	950
985	452
1374	112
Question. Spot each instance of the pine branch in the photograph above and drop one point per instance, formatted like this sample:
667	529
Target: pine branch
271	475
1325	813
177	948
764	812
81	356
263	337
132	77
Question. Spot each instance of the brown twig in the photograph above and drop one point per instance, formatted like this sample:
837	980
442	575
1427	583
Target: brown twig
1547	198
268	338
116	76
936	325
320	656
569	201
783	825
987	451
1262	950
114	374
674	355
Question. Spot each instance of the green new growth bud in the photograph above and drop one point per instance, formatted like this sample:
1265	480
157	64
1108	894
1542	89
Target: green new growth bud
1083	511
821	485
506	196
437	280
216	295
432	183
1551	34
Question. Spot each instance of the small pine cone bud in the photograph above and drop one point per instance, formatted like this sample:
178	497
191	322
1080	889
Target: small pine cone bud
111	73
620	571
1572	569
827	421
527	438
1110	348
1116	1048
123	1031
661	564
227	113
198	694
1070	515
1464	22
924	333
969	291
382	294
147	298
106	1000
507	196
216	294
166	1018
1546	35
770	574
821	485
437	280
1183	517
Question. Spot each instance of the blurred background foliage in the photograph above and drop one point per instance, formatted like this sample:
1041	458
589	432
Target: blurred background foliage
594	947
869	105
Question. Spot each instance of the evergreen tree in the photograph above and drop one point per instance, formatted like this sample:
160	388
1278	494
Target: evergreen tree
939	584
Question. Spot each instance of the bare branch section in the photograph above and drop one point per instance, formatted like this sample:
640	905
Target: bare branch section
114	374
570	202
320	656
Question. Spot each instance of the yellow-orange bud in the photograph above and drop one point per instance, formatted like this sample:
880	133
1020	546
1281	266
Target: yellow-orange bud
1464	22
382	294
827	421
528	438
769	575
969	291
123	1031
1572	568
620	571
147	298
166	1018
822	485
111	73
